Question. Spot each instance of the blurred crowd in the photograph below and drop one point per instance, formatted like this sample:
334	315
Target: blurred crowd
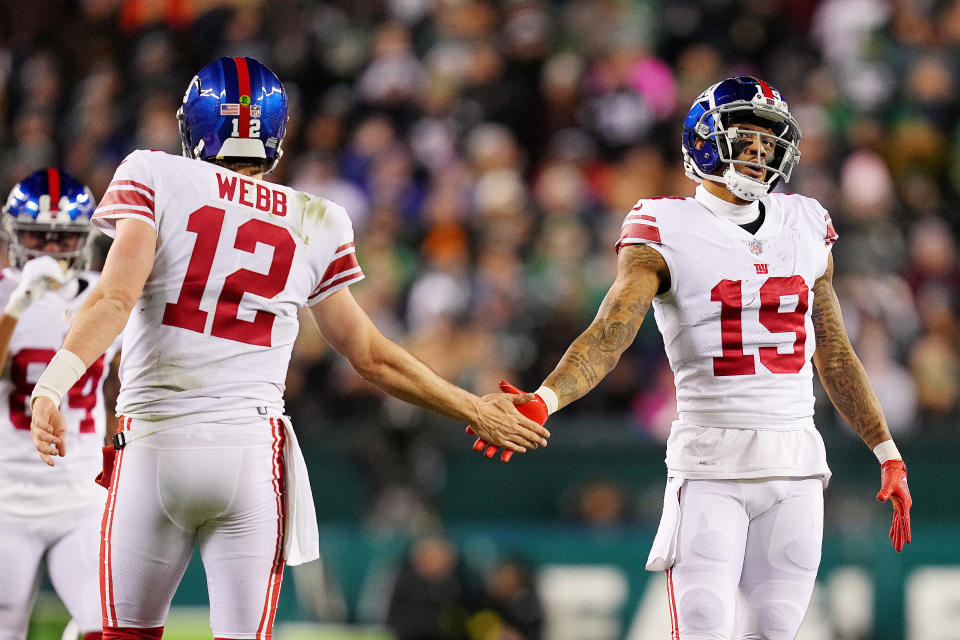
488	150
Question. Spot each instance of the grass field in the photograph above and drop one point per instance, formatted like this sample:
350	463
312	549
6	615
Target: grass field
50	618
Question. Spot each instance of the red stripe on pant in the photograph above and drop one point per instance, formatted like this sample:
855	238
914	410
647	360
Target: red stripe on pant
671	599
672	604
132	633
93	635
108	607
265	630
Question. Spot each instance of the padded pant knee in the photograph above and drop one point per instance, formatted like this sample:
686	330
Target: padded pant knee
701	611
776	620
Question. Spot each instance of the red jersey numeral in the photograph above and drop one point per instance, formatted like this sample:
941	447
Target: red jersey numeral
207	223
734	362
82	395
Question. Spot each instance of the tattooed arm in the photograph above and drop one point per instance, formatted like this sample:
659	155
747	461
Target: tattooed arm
641	273
840	370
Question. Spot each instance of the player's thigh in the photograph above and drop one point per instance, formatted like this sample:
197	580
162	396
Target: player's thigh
143	553
781	562
72	563
703	581
21	556
242	549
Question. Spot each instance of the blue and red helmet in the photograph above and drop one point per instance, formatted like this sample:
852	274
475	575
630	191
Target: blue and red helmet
234	109
48	213
716	119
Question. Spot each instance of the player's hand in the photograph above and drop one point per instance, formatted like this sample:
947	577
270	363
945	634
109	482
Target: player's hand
535	409
893	484
48	429
37	276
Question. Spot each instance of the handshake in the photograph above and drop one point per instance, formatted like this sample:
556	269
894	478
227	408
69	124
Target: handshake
535	409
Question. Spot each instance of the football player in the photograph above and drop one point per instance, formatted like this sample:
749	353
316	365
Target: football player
214	264
741	283
48	516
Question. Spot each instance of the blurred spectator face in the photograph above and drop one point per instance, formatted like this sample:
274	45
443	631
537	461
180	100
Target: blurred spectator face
372	136
157	126
507	580
933	250
434	559
560	189
866	186
602	504
492	146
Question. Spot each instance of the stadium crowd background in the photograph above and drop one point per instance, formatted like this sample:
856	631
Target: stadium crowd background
487	153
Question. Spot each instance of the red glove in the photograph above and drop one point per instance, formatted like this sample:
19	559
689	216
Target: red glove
893	483
535	409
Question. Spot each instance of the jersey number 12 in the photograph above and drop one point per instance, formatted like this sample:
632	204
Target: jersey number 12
207	223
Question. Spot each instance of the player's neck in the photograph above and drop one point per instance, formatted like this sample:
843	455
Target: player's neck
253	173
739	213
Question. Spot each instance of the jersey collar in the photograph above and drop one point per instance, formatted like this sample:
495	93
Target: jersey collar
739	214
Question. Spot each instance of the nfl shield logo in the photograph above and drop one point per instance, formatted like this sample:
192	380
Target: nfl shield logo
756	247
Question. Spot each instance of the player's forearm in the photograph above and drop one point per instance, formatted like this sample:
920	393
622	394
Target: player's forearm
640	273
845	381
402	375
590	358
841	372
98	322
8	324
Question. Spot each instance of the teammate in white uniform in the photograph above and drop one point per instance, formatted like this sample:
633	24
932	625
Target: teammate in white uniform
48	516
741	284
214	265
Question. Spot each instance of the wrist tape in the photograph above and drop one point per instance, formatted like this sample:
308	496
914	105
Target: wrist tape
549	397
62	373
886	450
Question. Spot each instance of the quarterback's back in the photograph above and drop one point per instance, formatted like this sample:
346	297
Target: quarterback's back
236	258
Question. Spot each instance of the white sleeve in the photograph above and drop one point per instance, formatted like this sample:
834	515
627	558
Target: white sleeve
340	268
130	195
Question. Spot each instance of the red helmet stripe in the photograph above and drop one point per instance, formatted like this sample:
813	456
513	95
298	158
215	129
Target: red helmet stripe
765	88
53	184
243	80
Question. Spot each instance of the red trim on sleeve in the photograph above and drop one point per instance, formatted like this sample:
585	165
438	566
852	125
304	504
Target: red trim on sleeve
128	197
343	263
640	231
831	236
132	183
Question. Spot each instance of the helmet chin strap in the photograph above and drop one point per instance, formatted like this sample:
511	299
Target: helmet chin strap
741	185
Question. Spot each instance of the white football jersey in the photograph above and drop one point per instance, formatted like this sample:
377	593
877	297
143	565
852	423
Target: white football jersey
37	337
737	328
236	259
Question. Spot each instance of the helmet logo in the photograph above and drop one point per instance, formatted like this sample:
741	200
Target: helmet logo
245	100
254	111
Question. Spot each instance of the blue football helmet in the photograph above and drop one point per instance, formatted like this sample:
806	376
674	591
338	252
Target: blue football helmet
234	109
717	118
48	213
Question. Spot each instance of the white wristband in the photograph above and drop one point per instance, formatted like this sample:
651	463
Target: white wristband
886	450
549	397
62	373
